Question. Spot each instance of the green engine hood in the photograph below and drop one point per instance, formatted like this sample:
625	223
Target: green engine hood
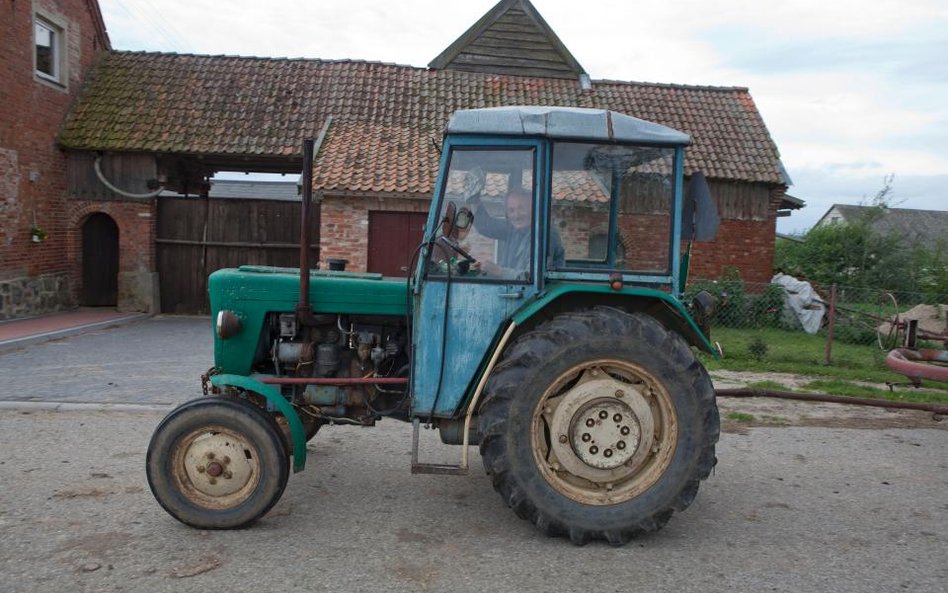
253	291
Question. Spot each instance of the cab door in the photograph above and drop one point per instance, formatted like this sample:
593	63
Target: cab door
474	273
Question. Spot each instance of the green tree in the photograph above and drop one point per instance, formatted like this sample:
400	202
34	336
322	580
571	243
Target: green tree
856	254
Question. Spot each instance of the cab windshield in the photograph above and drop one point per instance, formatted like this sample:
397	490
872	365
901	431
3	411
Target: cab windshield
612	207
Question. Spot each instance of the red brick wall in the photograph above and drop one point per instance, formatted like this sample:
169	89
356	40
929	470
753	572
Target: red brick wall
344	228
32	168
744	245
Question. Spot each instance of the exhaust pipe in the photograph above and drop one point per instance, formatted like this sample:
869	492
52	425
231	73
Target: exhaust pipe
304	313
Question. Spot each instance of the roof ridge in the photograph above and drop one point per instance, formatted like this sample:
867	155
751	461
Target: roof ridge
671	85
890	208
167	54
418	68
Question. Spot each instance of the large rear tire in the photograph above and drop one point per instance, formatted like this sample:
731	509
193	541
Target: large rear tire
217	463
598	425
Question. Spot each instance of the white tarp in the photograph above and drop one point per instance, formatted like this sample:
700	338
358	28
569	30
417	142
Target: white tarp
801	301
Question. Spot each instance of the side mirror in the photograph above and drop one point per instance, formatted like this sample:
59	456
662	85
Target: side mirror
699	213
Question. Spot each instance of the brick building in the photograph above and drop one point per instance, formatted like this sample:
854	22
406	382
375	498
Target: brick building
48	47
149	121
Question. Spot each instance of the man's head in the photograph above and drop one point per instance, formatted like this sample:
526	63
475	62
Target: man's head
519	208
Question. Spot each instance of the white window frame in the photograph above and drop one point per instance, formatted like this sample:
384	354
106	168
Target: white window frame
58	32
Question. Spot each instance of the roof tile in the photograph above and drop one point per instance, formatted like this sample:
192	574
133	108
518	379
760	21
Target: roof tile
384	115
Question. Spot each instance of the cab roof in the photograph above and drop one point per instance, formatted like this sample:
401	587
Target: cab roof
564	122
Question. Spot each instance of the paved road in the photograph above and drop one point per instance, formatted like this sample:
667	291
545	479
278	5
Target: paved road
788	509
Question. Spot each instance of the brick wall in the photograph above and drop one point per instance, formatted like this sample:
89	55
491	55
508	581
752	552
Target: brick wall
344	228
32	168
744	245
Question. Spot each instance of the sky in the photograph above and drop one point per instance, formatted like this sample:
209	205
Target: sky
851	91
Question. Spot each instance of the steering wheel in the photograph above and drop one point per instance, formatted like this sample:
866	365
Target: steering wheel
467	259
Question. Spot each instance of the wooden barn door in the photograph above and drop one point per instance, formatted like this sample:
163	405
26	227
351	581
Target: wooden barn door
197	236
100	261
393	238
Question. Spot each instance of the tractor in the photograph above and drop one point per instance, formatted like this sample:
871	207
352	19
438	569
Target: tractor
542	320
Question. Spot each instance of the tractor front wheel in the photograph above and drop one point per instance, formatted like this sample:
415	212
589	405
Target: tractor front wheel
217	463
598	425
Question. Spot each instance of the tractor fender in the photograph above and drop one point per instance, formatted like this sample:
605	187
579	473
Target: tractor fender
668	310
275	398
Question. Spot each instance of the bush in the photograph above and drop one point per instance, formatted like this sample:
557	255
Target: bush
736	307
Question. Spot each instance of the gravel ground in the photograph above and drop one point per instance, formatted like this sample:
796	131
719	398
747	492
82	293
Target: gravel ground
788	509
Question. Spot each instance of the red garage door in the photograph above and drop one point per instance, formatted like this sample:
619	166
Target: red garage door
393	238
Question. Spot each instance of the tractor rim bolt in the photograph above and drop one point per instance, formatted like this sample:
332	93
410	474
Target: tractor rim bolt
563	438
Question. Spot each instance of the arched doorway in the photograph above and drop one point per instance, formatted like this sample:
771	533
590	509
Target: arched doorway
100	261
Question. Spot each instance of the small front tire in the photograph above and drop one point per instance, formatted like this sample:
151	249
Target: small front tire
217	463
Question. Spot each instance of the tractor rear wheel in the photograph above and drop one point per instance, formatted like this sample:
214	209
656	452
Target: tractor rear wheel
217	463
598	425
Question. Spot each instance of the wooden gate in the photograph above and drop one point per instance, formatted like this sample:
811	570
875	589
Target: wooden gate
393	238
100	261
196	236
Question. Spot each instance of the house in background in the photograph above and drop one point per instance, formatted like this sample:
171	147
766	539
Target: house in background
48	46
916	227
152	122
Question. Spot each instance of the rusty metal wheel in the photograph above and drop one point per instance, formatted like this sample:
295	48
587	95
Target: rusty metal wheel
890	328
604	432
217	463
598	425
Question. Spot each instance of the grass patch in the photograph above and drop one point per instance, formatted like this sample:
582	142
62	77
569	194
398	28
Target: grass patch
769	385
839	387
740	417
801	354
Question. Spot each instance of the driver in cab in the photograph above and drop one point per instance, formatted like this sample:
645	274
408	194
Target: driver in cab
514	237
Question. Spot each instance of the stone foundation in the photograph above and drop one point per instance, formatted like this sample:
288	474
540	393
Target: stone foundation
30	296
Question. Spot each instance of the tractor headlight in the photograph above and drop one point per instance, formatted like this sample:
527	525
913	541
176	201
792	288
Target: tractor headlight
228	324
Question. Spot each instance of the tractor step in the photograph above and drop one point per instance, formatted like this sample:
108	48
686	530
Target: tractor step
430	468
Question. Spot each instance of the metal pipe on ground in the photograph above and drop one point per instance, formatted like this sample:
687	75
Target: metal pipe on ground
937	409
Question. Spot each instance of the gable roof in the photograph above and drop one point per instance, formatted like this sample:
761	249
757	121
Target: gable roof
512	38
385	116
917	227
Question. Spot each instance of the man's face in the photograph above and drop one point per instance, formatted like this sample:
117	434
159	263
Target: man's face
518	210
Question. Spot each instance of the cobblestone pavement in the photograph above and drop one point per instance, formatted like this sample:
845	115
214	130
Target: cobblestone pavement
153	361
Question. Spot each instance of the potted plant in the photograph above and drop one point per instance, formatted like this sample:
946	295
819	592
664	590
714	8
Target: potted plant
37	235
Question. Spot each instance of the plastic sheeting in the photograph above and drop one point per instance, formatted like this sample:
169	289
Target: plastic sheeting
801	302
